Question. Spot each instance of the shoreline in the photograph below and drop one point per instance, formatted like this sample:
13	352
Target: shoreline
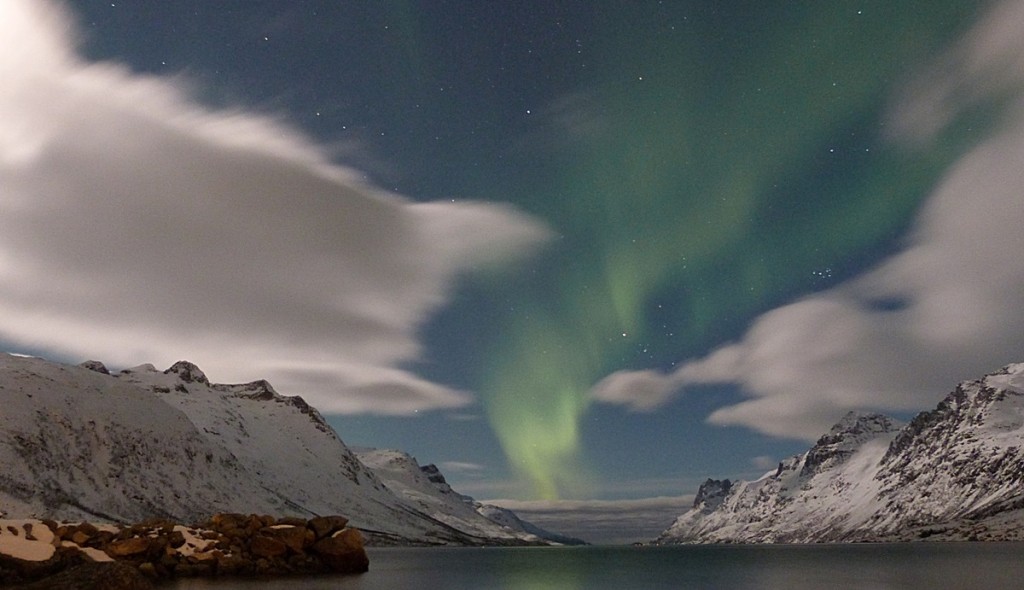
33	551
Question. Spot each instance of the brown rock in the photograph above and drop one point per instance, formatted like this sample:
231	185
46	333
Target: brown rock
83	533
157	544
292	536
148	569
233	564
292	520
176	539
343	552
88	528
109	575
80	538
126	547
253	523
269	547
169	562
264	567
223	521
323	526
101	538
206	555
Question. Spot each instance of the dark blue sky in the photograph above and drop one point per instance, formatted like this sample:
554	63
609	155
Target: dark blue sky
698	165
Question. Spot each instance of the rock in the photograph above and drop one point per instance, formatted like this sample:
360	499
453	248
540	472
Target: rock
95	366
292	520
233	565
149	570
433	474
711	493
293	537
109	575
343	552
188	372
176	539
324	526
127	547
228	544
83	533
263	546
258	390
80	538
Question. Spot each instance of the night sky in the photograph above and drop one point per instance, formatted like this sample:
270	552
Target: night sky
576	250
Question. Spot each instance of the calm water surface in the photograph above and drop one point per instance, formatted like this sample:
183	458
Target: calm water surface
990	566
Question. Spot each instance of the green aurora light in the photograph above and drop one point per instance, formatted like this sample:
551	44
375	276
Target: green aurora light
718	173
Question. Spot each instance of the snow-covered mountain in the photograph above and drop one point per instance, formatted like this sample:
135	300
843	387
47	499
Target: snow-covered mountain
77	442
426	488
956	472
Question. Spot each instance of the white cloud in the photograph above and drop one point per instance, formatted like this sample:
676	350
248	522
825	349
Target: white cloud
946	308
462	467
138	226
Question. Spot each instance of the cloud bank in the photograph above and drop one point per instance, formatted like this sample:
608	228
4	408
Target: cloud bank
946	308
138	226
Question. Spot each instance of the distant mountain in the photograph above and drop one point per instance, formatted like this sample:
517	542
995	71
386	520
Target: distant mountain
77	442
953	473
426	488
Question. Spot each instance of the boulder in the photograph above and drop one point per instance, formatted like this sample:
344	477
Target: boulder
269	547
128	547
343	552
324	526
292	536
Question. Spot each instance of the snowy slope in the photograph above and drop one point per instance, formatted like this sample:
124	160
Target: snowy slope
956	472
511	520
426	487
77	442
427	490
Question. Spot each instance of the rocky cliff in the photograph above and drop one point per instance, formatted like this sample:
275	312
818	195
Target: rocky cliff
956	472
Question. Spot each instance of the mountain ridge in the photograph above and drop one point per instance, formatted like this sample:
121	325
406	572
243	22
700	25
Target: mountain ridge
955	472
82	443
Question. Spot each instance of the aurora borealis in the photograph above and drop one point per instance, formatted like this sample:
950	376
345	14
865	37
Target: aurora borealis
576	224
706	148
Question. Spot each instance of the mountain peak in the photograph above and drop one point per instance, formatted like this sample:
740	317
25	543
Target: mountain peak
1009	378
95	366
128	449
433	474
711	493
188	372
952	473
853	430
260	390
857	424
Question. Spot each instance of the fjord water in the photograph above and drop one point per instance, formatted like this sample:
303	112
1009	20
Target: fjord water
954	566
